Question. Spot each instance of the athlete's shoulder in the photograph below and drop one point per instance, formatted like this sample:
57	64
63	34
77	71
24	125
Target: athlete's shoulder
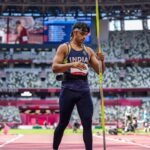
63	45
63	48
89	50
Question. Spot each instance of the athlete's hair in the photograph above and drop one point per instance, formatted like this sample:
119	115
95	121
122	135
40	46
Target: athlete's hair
81	26
18	22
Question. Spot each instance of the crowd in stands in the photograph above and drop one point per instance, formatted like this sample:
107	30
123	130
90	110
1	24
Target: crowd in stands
35	56
127	45
9	114
114	77
117	77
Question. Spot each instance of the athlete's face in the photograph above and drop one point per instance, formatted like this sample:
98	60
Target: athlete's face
81	36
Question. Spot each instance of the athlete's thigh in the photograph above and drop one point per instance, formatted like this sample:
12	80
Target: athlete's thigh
66	102
85	106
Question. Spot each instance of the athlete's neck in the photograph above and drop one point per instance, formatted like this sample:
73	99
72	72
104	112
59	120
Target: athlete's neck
76	45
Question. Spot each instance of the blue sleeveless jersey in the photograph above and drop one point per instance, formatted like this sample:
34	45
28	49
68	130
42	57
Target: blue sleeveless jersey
77	84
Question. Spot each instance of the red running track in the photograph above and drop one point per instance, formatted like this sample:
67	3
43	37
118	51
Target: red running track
74	142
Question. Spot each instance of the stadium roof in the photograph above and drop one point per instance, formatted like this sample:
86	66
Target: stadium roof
111	9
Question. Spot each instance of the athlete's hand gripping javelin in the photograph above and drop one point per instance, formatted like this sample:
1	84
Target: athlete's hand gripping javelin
100	56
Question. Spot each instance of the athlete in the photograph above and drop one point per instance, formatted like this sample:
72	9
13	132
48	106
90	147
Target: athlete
22	35
73	59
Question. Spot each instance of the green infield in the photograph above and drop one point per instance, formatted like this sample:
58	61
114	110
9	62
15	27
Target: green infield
46	131
67	131
39	131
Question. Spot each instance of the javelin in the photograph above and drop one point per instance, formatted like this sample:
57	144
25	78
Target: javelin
100	74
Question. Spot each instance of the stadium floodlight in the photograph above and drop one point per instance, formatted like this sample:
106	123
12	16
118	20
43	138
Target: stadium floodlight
26	94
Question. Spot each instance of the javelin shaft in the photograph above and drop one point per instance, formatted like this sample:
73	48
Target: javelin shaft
98	26
100	75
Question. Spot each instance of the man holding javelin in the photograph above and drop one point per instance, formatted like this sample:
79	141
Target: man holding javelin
72	59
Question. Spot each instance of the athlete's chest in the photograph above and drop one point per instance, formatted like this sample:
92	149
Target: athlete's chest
75	56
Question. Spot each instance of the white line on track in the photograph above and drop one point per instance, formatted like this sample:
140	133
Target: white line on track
12	140
124	141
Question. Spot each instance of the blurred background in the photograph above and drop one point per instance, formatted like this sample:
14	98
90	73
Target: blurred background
28	89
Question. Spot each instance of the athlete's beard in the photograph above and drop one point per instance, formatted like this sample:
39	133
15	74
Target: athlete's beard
80	42
77	42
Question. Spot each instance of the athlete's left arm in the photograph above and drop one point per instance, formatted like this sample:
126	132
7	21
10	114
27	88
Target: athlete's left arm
94	60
